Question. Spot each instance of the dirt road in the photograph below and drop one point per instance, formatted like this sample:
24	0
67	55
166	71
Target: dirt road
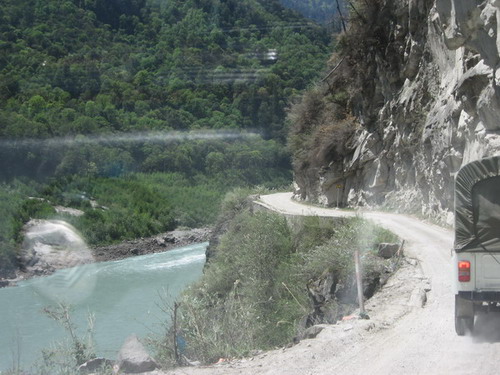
403	336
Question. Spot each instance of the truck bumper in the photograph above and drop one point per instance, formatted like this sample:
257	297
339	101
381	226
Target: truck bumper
480	296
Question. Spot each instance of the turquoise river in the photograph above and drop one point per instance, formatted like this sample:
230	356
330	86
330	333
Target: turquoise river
124	297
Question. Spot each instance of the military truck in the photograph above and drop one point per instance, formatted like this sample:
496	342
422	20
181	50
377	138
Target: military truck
476	252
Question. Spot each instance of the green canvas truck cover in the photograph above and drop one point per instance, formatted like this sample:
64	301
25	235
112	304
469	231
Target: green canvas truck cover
477	206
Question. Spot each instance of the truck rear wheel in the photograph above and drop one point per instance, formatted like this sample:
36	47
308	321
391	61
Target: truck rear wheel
464	325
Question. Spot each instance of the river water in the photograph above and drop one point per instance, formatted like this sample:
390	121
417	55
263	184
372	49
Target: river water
125	297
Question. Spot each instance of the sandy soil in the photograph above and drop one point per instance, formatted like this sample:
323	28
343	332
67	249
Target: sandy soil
411	330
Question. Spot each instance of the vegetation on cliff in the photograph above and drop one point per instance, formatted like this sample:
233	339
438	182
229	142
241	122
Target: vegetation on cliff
325	121
257	289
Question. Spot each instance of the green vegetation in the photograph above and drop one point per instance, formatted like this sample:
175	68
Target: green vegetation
141	205
17	207
154	109
64	357
325	121
119	208
10	203
255	291
80	348
79	69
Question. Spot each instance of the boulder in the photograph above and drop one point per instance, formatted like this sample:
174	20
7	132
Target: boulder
418	298
170	238
53	244
135	251
312	332
94	365
387	250
160	241
133	357
4	283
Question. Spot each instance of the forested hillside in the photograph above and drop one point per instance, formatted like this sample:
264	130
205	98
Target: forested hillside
79	67
165	104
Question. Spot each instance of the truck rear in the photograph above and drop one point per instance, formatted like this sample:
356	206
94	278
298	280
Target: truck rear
476	253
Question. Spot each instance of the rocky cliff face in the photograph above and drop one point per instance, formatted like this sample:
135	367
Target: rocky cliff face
429	104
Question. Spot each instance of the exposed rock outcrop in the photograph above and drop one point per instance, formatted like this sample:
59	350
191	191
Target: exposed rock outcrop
50	245
133	358
332	298
155	244
429	103
388	250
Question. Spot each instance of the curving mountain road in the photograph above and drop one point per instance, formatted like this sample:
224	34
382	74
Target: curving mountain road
403	335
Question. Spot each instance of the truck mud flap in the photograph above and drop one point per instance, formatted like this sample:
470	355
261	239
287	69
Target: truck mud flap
463	308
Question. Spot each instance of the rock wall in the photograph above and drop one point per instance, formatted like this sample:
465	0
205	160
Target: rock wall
431	106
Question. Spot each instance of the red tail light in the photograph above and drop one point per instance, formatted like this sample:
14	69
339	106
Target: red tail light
464	271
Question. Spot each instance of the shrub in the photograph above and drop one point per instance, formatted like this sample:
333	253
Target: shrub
15	212
254	292
321	131
234	308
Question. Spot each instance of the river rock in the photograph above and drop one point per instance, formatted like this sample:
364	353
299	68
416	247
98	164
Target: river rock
135	251
4	283
94	365
155	244
133	357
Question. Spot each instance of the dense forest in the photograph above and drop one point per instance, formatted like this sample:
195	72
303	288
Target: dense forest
78	68
167	104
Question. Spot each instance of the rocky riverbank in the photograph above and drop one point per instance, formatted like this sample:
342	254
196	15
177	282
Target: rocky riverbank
51	245
156	244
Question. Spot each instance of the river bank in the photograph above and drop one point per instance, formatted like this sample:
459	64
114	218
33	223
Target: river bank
42	258
155	244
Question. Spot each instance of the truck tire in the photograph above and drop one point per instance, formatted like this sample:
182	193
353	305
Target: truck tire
469	324
464	325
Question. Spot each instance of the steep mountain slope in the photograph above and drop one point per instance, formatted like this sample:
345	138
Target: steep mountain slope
414	98
71	68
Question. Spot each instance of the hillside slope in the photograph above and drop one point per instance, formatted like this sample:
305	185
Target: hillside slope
414	98
94	69
410	329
